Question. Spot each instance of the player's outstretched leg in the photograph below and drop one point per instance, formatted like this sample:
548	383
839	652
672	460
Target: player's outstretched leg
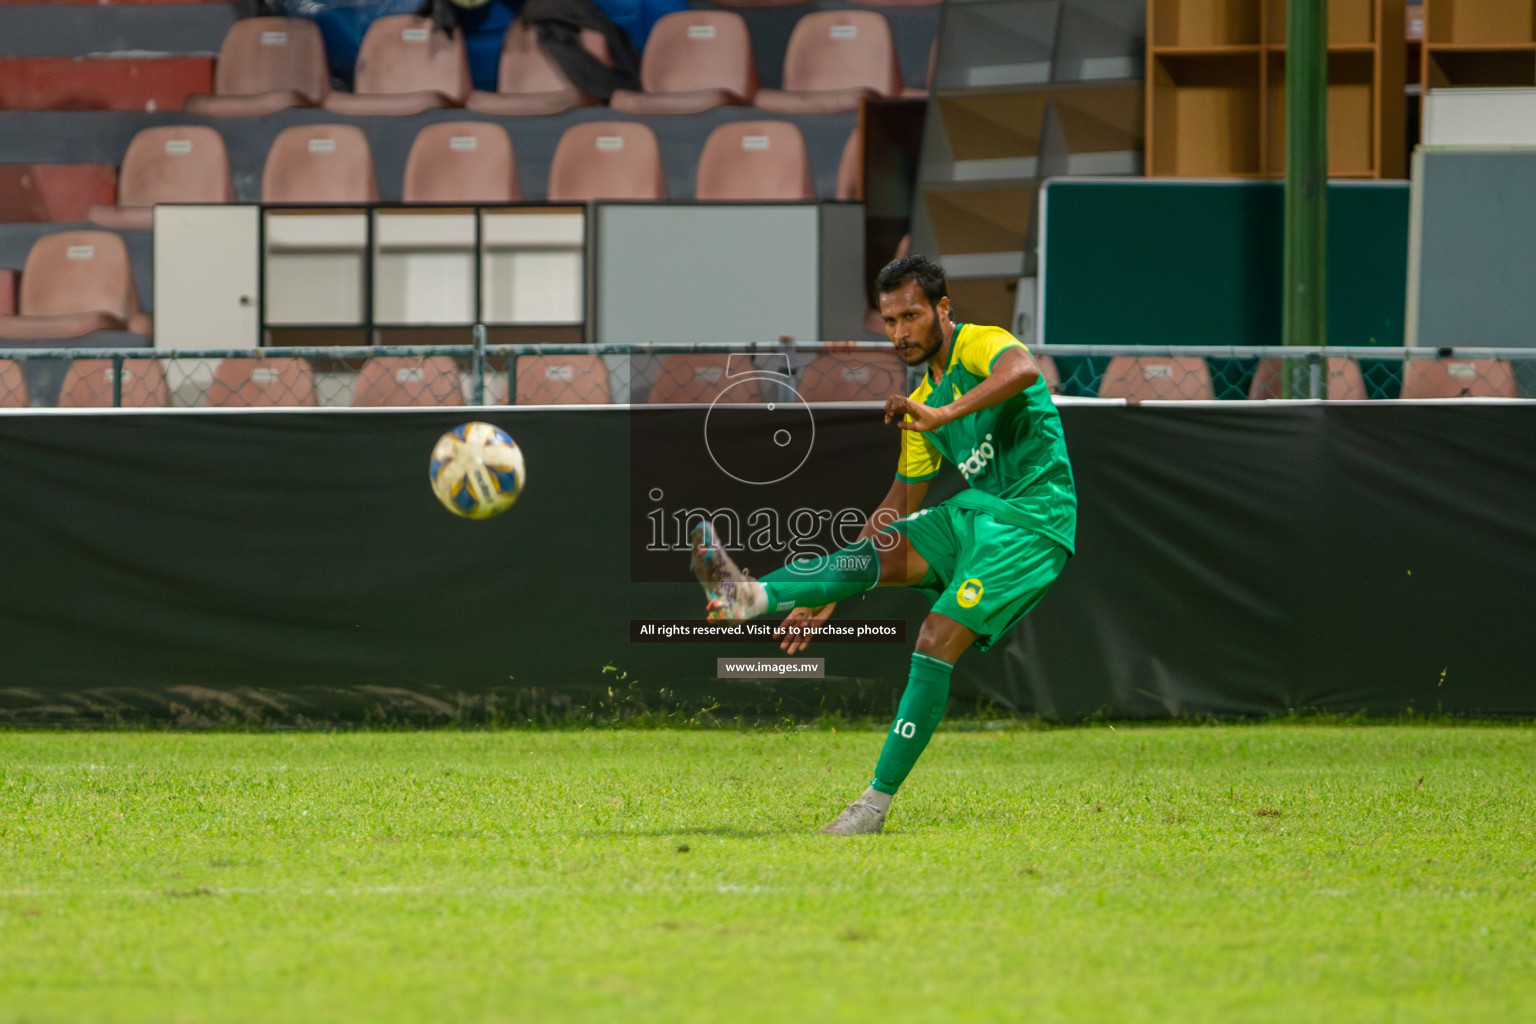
729	592
922	706
806	582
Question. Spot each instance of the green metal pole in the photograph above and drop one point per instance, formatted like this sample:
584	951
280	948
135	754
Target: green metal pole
1305	317
477	364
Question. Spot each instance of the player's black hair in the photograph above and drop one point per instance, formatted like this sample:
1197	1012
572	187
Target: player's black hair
928	275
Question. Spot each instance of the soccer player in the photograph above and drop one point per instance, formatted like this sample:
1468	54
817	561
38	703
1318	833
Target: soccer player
988	554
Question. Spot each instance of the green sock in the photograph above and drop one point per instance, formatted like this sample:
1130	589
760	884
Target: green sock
813	582
922	705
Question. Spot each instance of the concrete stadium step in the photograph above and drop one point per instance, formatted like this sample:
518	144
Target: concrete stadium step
69	30
98	4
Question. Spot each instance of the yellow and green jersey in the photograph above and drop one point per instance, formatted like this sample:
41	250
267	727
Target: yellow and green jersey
1012	454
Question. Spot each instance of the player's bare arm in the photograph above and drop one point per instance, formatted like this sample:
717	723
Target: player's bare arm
1014	371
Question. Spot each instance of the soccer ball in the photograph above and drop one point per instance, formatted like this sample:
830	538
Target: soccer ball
477	470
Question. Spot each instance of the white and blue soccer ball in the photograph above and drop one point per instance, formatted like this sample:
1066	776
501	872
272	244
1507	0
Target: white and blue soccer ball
477	470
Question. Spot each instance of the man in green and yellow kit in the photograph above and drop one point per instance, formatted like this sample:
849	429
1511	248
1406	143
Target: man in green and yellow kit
988	554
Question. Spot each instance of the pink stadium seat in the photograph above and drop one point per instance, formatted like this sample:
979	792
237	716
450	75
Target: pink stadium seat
461	162
266	65
259	383
850	168
408	380
1047	367
319	163
88	384
172	164
853	377
1457	378
748	161
529	82
405	66
701	377
834	60
1345	383
8	283
606	160
562	380
1148	378
758	3
76	282
13	386
693	61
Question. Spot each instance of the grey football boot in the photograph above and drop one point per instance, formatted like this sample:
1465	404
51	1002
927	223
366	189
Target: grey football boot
731	593
861	817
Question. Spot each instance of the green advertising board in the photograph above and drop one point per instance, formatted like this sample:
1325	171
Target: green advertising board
1144	261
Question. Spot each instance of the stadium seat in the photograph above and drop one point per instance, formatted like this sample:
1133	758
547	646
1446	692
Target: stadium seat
606	160
88	384
850	168
528	80
1047	367
562	380
13	386
748	4
172	164
408	380
319	163
1344	380
266	65
405	66
701	378
1149	378
1450	378
9	280
461	162
898	3
693	61
75	282
253	383
747	161
834	60
864	376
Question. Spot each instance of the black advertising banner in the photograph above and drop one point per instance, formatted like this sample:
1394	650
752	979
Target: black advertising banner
1255	559
295	566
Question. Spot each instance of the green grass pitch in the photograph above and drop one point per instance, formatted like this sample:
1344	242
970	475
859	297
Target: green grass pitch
1215	873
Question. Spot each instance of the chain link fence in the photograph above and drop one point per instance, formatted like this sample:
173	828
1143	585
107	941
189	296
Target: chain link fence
479	374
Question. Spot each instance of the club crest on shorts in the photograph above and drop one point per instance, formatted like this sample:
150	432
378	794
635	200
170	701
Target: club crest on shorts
969	593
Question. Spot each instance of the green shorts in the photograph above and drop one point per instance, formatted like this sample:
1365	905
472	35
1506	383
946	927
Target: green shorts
986	574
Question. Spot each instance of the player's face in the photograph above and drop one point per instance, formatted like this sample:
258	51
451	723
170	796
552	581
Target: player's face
913	323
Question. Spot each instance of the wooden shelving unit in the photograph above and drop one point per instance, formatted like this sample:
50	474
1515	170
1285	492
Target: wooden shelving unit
1024	90
1216	88
1478	43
